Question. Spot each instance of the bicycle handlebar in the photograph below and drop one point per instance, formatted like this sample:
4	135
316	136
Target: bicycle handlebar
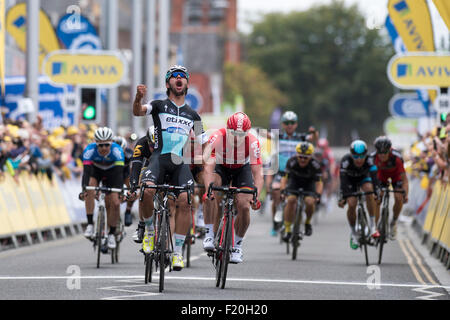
392	191
358	194
165	187
232	190
105	189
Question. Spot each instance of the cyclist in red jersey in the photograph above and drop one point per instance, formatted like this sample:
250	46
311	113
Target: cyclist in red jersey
232	156
390	166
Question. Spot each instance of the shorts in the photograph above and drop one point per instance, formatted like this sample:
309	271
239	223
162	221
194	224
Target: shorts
111	178
277	177
161	170
239	177
309	186
396	185
352	185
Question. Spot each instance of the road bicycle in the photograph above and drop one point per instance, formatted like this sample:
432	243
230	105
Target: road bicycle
296	233
101	232
383	225
161	256
190	236
224	239
362	225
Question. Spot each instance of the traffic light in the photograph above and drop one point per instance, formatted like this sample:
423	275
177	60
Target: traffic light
89	104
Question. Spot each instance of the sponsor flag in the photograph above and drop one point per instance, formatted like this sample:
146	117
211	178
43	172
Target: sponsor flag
16	25
443	7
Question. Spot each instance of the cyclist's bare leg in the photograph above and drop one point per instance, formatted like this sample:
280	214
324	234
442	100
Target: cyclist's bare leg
310	208
378	207
398	204
351	211
89	203
174	210
243	214
147	203
289	210
276	198
370	201
211	207
112	203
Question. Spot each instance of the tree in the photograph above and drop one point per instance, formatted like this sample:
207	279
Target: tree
260	95
329	65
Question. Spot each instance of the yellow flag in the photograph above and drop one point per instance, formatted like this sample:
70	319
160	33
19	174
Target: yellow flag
2	45
412	20
443	7
16	27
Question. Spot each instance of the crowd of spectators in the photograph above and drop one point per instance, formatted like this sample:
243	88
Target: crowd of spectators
29	147
428	157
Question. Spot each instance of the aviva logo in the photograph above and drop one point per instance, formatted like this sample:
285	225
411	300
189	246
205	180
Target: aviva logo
402	8
102	68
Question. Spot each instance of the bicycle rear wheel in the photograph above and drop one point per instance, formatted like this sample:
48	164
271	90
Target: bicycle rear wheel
100	230
226	251
364	233
162	250
383	233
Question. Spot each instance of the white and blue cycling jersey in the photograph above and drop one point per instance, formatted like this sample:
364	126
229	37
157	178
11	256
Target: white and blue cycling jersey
115	157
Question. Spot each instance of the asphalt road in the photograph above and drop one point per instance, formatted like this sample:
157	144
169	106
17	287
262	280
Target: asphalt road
326	269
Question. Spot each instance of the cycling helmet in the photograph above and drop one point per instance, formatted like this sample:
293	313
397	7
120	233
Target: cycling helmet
151	134
121	141
289	116
358	147
322	143
103	134
382	144
176	68
305	148
239	121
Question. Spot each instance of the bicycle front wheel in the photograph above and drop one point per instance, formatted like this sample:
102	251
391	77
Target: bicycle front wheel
383	229
219	253
162	251
226	251
100	230
148	267
296	232
364	233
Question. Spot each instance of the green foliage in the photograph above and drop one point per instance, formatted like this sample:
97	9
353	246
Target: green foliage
329	66
260	96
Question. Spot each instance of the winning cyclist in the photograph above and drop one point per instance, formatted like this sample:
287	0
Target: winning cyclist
390	165
173	120
288	140
357	170
103	161
302	171
233	156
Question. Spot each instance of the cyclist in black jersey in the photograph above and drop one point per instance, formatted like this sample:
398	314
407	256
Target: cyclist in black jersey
173	120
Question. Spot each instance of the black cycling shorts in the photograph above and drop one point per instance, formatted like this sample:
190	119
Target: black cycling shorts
352	185
293	184
111	178
161	166
239	177
396	185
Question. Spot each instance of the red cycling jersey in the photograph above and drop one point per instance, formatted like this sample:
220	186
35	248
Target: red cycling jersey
234	156
392	168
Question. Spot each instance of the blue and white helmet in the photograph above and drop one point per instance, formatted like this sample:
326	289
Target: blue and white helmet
289	116
358	147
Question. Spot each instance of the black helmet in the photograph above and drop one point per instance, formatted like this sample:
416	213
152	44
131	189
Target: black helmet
383	144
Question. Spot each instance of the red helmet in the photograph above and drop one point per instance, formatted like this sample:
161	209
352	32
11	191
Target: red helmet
322	143
239	121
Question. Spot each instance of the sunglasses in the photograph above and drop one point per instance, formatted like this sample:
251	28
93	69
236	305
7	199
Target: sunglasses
304	157
103	145
176	74
361	156
289	122
237	133
385	152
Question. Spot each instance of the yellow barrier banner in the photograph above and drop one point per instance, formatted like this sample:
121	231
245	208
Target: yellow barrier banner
434	203
443	7
51	205
58	201
441	214
5	225
445	237
37	201
20	193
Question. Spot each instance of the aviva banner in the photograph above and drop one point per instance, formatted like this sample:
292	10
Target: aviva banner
85	68
419	70
443	7
413	23
16	24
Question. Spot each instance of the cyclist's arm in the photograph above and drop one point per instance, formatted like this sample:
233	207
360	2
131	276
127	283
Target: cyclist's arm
319	187
283	182
139	109
88	169
257	177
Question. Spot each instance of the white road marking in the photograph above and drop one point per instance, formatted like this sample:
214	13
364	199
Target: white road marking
430	294
136	293
289	281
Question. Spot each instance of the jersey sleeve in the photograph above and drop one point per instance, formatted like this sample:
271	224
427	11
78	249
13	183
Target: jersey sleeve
119	156
88	154
255	151
150	107
199	131
317	171
214	141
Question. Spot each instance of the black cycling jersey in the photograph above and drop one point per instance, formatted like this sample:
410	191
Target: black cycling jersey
141	155
312	172
173	125
349	169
